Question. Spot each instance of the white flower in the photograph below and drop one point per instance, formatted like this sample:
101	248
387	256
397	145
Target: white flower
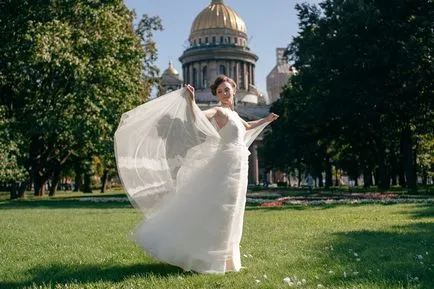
319	286
265	276
356	255
331	272
345	274
258	281
358	259
288	281
355	273
303	281
420	257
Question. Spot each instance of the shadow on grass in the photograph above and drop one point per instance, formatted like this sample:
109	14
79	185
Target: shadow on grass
400	258
83	274
64	204
300	207
426	211
278	208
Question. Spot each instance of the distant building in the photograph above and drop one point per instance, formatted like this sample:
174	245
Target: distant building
170	80
218	44
279	75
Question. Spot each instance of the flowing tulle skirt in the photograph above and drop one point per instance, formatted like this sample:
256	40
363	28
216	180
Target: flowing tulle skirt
200	229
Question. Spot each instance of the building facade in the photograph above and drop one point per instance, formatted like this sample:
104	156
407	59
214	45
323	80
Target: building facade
279	75
218	44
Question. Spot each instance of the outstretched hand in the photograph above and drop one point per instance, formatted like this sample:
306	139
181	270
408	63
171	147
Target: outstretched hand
190	89
272	117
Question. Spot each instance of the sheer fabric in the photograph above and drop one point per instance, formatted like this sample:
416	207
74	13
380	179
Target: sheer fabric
189	178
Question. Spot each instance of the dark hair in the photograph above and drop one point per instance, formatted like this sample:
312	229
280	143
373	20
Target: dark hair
219	80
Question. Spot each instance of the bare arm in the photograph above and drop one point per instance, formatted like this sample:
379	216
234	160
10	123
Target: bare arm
209	113
255	123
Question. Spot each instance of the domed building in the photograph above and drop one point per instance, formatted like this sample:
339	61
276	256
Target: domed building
170	80
218	45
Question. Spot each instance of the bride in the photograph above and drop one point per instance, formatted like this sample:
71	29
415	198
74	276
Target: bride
187	171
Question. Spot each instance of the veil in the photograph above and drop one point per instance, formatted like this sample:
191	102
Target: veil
152	142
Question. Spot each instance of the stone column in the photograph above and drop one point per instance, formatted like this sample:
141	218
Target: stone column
253	74
254	164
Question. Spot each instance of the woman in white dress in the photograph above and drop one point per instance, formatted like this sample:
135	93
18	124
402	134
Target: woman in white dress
187	170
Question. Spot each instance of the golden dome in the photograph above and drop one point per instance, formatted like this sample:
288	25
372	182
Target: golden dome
171	70
218	15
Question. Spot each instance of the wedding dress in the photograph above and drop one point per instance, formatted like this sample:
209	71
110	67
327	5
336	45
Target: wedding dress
189	177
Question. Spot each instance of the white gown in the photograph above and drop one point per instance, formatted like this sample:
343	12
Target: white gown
194	219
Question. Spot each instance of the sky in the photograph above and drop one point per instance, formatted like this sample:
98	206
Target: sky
270	24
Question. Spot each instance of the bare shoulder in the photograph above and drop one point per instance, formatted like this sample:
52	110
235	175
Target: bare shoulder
211	112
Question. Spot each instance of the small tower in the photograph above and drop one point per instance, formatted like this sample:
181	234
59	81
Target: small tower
170	80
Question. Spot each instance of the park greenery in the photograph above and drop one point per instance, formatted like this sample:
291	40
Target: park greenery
362	103
375	246
68	70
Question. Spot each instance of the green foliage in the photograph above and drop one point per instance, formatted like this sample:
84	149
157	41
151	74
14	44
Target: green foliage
363	97
10	169
69	70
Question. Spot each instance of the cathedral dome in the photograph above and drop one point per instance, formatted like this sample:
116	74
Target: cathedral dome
171	70
218	16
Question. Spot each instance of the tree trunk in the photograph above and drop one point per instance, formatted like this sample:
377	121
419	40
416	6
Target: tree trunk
409	167
13	191
78	180
336	177
54	182
328	171
383	179
39	185
299	177
320	181
367	178
87	183
401	165
104	180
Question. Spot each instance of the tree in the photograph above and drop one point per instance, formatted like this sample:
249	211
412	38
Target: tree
70	69
12	173
365	86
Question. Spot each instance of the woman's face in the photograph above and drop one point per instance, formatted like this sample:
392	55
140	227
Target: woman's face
225	93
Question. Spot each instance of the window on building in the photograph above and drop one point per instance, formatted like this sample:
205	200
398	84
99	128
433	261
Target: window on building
221	39
204	76
194	77
222	69
206	40
213	40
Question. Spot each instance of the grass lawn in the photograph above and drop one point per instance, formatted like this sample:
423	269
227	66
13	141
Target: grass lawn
68	243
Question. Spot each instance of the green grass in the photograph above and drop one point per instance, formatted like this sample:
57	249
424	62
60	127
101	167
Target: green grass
67	243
